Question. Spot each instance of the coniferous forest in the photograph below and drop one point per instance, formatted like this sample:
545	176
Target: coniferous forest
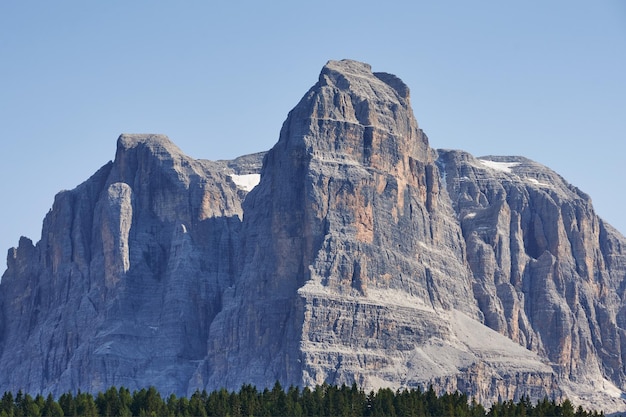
324	400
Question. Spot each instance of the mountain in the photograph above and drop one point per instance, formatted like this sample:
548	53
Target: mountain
350	252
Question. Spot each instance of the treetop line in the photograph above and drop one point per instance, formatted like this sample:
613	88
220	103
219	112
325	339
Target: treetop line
323	400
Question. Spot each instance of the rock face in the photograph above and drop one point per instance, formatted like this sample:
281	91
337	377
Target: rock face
128	275
362	255
548	273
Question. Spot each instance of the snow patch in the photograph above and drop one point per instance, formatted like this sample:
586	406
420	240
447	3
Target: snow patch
536	182
499	166
246	182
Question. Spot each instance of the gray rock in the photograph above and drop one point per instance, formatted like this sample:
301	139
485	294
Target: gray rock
362	255
548	273
128	276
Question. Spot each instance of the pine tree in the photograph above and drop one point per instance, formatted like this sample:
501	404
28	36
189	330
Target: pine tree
51	408
197	407
249	398
67	403
7	404
85	405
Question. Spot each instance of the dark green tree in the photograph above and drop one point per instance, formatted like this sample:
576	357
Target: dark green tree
309	405
567	408
7	404
476	409
278	400
51	408
67	403
218	403
323	400
249	400
85	405
197	405
27	406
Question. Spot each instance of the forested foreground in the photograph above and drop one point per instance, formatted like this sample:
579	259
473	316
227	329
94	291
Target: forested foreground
324	400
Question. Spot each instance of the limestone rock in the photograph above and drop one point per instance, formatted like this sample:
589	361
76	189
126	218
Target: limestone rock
127	277
350	252
548	273
359	213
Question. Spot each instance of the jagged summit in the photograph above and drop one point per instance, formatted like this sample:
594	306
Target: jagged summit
345	75
355	114
130	140
156	144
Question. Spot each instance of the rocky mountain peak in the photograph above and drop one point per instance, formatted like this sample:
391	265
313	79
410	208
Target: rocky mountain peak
345	75
361	256
130	140
136	152
156	144
362	116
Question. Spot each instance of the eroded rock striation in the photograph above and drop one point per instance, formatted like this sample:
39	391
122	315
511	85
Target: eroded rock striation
350	252
548	273
128	275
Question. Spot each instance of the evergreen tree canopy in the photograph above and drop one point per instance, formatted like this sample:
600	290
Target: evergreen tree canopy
323	400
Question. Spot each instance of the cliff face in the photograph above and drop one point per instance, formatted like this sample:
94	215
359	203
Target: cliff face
361	255
127	277
548	273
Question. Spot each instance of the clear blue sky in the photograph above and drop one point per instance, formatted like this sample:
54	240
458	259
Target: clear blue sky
543	79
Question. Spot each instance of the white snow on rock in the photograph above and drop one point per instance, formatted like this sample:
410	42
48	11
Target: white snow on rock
536	182
246	182
499	166
470	215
